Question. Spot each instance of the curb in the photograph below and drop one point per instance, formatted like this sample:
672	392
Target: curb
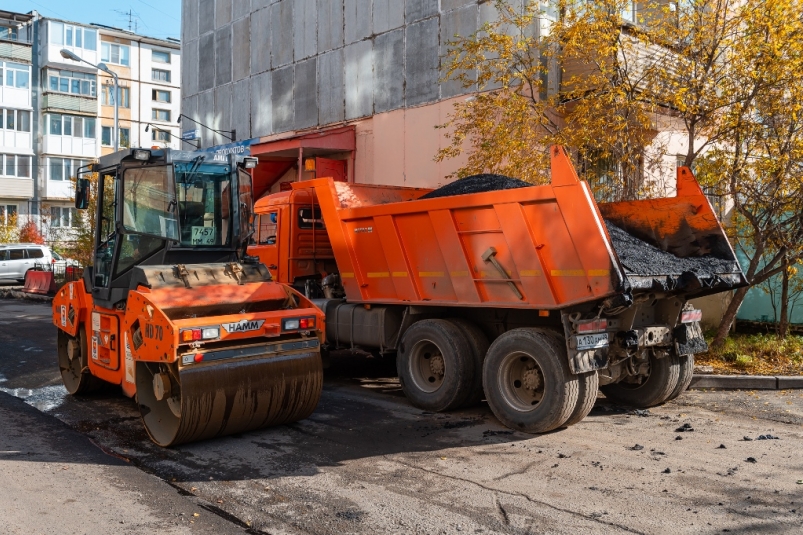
746	382
18	294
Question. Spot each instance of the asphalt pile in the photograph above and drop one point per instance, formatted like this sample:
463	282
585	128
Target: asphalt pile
640	258
476	184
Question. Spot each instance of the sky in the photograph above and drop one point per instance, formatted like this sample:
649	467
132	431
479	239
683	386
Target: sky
154	18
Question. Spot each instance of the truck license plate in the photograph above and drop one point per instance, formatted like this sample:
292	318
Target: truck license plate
591	341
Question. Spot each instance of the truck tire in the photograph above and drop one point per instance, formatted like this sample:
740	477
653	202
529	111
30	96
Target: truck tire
586	396
434	363
74	371
527	381
654	390
479	347
684	376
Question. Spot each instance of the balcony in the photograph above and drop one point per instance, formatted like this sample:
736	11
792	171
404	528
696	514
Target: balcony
85	147
59	190
20	141
16	188
15	51
69	103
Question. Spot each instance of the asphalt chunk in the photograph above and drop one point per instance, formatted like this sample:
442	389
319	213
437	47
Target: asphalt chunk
751	460
476	184
637	447
685	428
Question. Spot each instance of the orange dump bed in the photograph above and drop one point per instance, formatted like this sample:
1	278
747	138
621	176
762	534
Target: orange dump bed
540	247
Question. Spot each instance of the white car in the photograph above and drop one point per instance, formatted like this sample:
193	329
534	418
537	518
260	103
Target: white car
16	259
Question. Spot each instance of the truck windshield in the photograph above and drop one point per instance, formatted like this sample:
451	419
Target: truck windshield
204	203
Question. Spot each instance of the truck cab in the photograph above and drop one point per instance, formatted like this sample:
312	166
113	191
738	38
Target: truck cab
290	238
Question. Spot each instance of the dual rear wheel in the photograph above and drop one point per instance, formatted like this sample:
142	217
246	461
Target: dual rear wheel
524	374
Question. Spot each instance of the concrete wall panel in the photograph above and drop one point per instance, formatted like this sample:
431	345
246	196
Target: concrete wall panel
241	48
241	109
305	94
206	66
206	16
260	41
206	115
261	105
448	5
222	111
357	15
462	22
222	13
305	29
359	79
281	33
330	25
415	10
422	62
388	15
282	98
189	20
389	71
223	57
189	75
242	8
189	107
331	98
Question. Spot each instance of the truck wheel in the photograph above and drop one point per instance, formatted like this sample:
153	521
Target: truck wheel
684	376
73	364
654	389
586	397
479	347
528	383
434	365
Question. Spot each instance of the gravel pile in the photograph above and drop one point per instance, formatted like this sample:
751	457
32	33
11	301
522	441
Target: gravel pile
476	184
640	258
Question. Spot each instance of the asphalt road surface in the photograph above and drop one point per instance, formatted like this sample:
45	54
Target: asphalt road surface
368	462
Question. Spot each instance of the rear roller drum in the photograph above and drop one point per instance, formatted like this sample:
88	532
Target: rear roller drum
217	399
73	364
435	365
527	381
648	390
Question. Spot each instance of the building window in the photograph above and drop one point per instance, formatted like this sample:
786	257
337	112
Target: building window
161	135
19	120
161	115
73	36
160	75
69	125
63	168
62	216
117	54
15	165
161	95
123	92
8	33
160	57
77	83
17	75
107	132
8	214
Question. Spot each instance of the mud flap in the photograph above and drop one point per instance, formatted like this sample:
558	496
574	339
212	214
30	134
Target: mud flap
588	361
689	339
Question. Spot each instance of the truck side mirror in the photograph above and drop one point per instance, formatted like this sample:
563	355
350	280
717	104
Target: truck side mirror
82	194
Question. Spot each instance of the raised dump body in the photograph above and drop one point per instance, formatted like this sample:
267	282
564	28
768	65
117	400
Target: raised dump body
531	297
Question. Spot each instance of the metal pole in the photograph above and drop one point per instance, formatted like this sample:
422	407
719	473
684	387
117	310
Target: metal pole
116	111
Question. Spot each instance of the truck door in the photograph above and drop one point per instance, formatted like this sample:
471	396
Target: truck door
268	242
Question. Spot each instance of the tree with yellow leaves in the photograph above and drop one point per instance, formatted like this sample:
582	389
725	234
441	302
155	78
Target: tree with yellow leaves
633	88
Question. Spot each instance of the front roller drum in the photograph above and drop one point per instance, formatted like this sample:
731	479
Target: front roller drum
216	399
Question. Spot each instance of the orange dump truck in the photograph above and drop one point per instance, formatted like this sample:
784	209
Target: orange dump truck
532	298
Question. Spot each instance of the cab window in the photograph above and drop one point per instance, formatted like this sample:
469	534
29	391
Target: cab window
267	228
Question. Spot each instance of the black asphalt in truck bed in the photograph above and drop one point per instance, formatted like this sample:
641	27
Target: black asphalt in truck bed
637	256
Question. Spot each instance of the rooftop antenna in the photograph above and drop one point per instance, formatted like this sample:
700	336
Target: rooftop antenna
132	19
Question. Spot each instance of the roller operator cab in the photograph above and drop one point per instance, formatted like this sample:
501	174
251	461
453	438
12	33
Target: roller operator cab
531	297
174	312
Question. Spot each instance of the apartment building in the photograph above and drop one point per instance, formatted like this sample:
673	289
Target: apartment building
57	114
76	105
16	143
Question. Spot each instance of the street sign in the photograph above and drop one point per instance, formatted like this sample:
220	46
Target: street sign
191	134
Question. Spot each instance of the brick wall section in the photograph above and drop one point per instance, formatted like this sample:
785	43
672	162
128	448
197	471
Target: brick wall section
271	66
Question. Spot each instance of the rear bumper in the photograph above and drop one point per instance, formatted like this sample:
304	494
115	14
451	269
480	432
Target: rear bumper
188	358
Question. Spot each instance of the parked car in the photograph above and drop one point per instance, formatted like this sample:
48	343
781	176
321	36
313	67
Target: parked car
16	259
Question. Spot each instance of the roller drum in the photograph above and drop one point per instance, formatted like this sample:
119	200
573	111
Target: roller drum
214	399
